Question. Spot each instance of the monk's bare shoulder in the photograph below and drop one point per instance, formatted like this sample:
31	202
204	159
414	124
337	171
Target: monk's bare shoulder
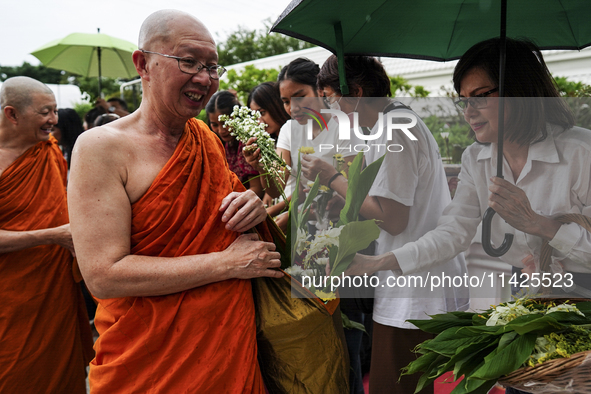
114	137
105	147
124	150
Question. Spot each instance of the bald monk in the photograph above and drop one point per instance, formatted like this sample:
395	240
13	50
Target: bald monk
158	221
44	328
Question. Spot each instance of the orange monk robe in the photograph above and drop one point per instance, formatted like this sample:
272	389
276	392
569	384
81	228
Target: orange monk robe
201	340
42	313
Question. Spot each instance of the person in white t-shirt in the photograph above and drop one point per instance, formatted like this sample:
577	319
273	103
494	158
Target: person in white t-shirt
407	197
297	81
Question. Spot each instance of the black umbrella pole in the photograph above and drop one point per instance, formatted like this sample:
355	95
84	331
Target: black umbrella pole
98	52
489	213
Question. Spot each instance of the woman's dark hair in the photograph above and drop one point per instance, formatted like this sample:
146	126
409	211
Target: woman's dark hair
300	70
526	77
105	118
266	95
223	101
91	116
364	72
70	126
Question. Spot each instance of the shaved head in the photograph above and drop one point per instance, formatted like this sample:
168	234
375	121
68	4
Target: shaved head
158	28
18	92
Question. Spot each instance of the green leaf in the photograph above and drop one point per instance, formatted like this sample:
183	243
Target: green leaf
355	236
311	194
539	324
344	263
474	387
450	347
359	184
458	314
506	339
507	359
431	374
351	324
468	358
421	364
293	205
440	323
585	308
454	333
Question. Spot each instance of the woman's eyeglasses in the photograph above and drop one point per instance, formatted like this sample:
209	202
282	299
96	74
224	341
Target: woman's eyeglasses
477	102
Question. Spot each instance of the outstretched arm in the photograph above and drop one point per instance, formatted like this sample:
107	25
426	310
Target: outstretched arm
392	215
12	241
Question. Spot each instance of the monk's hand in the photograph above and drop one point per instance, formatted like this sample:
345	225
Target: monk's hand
312	166
252	154
63	237
242	211
252	258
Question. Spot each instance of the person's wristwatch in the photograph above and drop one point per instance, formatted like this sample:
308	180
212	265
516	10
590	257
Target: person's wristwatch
112	109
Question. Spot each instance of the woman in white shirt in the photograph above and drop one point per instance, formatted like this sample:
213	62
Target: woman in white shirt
547	170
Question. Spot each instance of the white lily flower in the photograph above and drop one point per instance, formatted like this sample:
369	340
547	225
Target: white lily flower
565	308
504	314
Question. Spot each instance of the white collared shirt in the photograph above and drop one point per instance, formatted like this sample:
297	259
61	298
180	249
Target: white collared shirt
556	179
414	177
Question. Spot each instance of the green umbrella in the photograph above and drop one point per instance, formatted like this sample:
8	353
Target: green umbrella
437	30
89	55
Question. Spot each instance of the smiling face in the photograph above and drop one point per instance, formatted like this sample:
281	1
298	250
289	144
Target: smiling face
218	127
272	126
289	89
484	121
39	118
179	94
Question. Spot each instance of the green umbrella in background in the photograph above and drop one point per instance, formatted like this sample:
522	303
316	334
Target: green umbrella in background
90	55
437	30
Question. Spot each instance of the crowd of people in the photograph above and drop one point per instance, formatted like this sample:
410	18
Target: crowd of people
161	208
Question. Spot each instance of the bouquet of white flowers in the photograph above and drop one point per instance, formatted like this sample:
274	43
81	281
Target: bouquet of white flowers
244	124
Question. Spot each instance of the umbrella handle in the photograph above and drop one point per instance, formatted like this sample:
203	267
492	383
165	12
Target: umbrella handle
486	245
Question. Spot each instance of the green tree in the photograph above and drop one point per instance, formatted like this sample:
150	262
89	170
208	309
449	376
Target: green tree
247	79
82	108
399	86
40	73
568	88
89	86
578	98
244	45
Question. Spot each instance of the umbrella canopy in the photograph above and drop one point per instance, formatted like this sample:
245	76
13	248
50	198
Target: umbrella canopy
433	29
437	30
89	55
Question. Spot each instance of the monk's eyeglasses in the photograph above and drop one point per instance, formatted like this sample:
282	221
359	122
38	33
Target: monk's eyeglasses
478	101
191	66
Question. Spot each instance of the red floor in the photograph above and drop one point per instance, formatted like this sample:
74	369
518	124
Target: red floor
441	385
